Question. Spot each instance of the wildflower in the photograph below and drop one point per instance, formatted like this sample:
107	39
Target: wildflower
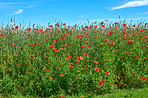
61	75
77	61
97	69
103	26
33	55
129	41
110	33
16	27
19	86
107	73
82	95
96	62
66	58
29	29
134	34
13	44
50	25
143	79
47	70
85	54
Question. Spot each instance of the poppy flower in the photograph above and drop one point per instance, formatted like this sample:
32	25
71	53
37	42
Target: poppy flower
19	86
66	58
97	69
95	26
86	35
13	44
29	29
101	23
28	35
61	75
50	25
143	79
124	25
4	35
129	41
103	26
70	66
116	23
64	24
85	54
107	73
96	62
82	95
108	40
77	61
12	28
47	70
110	33
16	27
141	30
33	55
134	34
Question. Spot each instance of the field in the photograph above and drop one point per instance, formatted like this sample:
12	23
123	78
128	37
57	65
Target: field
62	60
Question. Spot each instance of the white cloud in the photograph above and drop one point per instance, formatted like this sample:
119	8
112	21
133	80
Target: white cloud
19	11
29	6
134	3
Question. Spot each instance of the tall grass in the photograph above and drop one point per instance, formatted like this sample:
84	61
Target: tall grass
94	59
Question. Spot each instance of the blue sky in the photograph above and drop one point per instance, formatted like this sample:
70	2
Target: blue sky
71	11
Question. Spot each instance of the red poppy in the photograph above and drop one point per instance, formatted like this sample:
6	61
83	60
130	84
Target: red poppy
16	27
19	86
85	54
64	24
134	34
103	26
77	61
97	69
50	25
116	23
12	28
101	23
83	46
143	79
13	44
124	25
146	23
96	62
107	73
110	33
29	29
33	55
141	30
86	35
61	75
95	26
66	58
129	41
28	35
108	40
47	70
70	66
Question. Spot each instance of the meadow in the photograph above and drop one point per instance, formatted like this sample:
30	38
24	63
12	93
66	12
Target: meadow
81	60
